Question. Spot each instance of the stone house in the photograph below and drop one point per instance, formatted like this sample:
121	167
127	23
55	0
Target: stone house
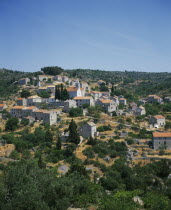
96	94
74	82
80	101
157	121
2	107
161	139
22	111
16	111
87	130
27	111
108	105
65	79
74	92
154	99
122	101
139	111
24	81
51	99
58	77
42	77
68	104
47	116
21	101
32	100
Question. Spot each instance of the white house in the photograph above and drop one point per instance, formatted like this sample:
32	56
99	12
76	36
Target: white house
161	139
108	105
48	117
21	101
157	121
87	130
74	92
139	111
24	81
42	77
122	101
68	104
154	98
81	100
32	100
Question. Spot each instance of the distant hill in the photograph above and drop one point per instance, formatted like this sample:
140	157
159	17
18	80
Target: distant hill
140	83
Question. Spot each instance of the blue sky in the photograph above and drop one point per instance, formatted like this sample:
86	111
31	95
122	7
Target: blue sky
133	35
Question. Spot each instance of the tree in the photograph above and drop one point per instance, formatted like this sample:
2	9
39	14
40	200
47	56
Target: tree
41	164
91	141
25	93
24	122
57	93
73	134
76	112
61	93
65	94
48	138
58	143
12	124
52	70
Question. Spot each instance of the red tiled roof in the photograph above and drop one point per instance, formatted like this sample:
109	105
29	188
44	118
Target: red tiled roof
161	134
159	117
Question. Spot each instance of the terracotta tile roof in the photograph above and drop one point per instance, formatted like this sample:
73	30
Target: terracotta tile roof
82	97
161	134
155	96
35	96
2	105
18	107
30	107
72	89
20	99
106	101
122	99
159	117
43	111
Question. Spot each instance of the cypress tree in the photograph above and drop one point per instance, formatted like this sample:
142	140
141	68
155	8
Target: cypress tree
57	93
73	134
65	94
62	90
58	143
41	164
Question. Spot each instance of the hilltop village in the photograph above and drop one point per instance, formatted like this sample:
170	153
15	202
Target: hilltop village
55	100
90	127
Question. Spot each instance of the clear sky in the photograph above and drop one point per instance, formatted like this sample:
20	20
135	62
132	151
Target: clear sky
133	35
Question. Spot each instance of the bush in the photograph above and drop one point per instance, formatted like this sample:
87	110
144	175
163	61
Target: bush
24	122
76	112
15	155
104	128
12	124
89	152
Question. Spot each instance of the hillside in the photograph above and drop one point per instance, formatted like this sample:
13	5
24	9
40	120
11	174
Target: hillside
140	83
7	80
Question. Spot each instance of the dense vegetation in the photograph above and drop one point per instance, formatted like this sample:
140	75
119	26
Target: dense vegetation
52	70
8	79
